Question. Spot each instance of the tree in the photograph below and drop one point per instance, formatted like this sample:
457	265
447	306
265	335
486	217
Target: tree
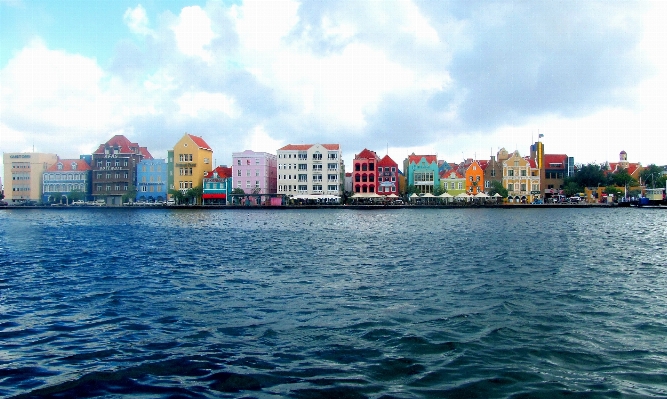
438	190
176	195
238	190
613	190
571	188
652	176
75	195
412	189
130	194
623	179
591	175
56	198
497	188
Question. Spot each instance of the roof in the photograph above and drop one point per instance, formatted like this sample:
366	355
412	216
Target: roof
222	171
532	163
631	169
417	158
201	143
554	158
81	165
483	164
387	161
451	174
306	147
145	153
366	154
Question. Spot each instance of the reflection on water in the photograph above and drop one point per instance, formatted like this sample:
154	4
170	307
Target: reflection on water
333	303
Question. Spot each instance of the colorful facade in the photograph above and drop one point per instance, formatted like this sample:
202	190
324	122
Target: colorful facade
193	159
114	169
388	176
474	176
255	172
364	172
24	172
422	172
152	180
310	169
67	176
452	182
521	178
217	185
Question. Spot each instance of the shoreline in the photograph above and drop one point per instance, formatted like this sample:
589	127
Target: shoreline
356	207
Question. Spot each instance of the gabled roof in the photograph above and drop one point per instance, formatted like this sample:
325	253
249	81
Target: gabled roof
417	158
306	147
200	142
145	153
532	163
366	154
451	174
387	161
631	169
483	164
81	165
222	171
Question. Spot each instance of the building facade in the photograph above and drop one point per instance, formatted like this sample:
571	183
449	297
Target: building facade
114	169
67	176
217	185
193	159
255	172
152	180
422	172
493	170
452	182
24	173
310	169
521	178
388	176
364	172
474	176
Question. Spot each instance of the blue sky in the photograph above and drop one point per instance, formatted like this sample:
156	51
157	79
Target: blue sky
459	79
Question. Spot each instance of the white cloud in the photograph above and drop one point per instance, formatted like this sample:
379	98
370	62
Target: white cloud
195	104
193	33
260	141
137	20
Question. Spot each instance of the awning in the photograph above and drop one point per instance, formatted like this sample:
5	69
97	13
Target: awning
214	196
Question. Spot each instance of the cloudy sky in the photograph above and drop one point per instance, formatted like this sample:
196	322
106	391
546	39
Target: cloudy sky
458	79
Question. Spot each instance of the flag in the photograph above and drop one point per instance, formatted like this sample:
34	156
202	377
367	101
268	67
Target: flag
540	136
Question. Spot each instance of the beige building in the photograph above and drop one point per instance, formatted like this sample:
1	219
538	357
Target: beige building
24	173
193	159
521	178
310	169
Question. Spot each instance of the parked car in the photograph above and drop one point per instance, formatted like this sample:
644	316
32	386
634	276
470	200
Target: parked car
3	203
170	202
79	203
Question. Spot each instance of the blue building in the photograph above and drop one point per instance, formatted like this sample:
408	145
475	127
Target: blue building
152	180
217	186
65	177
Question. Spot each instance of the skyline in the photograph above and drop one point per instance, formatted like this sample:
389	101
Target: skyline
456	79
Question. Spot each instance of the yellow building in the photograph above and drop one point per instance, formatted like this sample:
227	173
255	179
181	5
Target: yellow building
193	158
521	178
24	173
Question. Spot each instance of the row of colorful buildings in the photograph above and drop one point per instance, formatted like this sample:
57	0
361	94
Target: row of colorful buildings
121	170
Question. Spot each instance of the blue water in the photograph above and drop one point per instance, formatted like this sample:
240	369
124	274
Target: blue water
459	303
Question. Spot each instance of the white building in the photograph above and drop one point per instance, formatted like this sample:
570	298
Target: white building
310	169
24	173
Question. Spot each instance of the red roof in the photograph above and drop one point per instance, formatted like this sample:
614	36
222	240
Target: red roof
145	153
124	146
554	158
387	161
366	154
532	163
200	142
223	172
632	167
306	147
483	164
67	165
417	158
447	174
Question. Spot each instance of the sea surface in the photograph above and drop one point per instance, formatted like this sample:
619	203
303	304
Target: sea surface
334	303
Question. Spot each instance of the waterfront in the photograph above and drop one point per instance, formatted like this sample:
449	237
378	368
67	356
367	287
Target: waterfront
333	303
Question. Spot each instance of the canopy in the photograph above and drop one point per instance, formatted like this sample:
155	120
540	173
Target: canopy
462	195
428	195
446	195
496	195
481	195
392	196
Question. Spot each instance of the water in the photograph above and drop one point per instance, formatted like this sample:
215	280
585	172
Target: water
460	303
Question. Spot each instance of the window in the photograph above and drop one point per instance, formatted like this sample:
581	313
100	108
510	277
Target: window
380	169
239	172
510	187
510	172
523	186
317	157
303	187
247	172
393	169
238	162
303	166
493	173
317	187
332	155
256	172
333	187
332	177
523	172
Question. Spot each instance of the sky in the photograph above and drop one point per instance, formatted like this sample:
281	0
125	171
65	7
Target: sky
459	79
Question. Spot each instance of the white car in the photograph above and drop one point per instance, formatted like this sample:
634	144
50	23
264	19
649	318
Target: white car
79	203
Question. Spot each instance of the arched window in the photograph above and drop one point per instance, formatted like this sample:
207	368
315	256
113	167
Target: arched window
364	167
371	178
364	178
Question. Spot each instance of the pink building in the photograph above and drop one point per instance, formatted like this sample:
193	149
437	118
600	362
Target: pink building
255	172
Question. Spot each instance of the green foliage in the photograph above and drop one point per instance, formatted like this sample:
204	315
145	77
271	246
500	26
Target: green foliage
652	176
612	190
56	198
75	195
438	190
412	190
130	195
622	178
497	188
238	190
571	188
193	195
591	175
176	195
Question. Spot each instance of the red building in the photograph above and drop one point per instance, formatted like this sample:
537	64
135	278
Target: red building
364	172
387	176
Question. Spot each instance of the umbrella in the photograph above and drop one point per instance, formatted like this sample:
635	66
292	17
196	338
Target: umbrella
481	195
